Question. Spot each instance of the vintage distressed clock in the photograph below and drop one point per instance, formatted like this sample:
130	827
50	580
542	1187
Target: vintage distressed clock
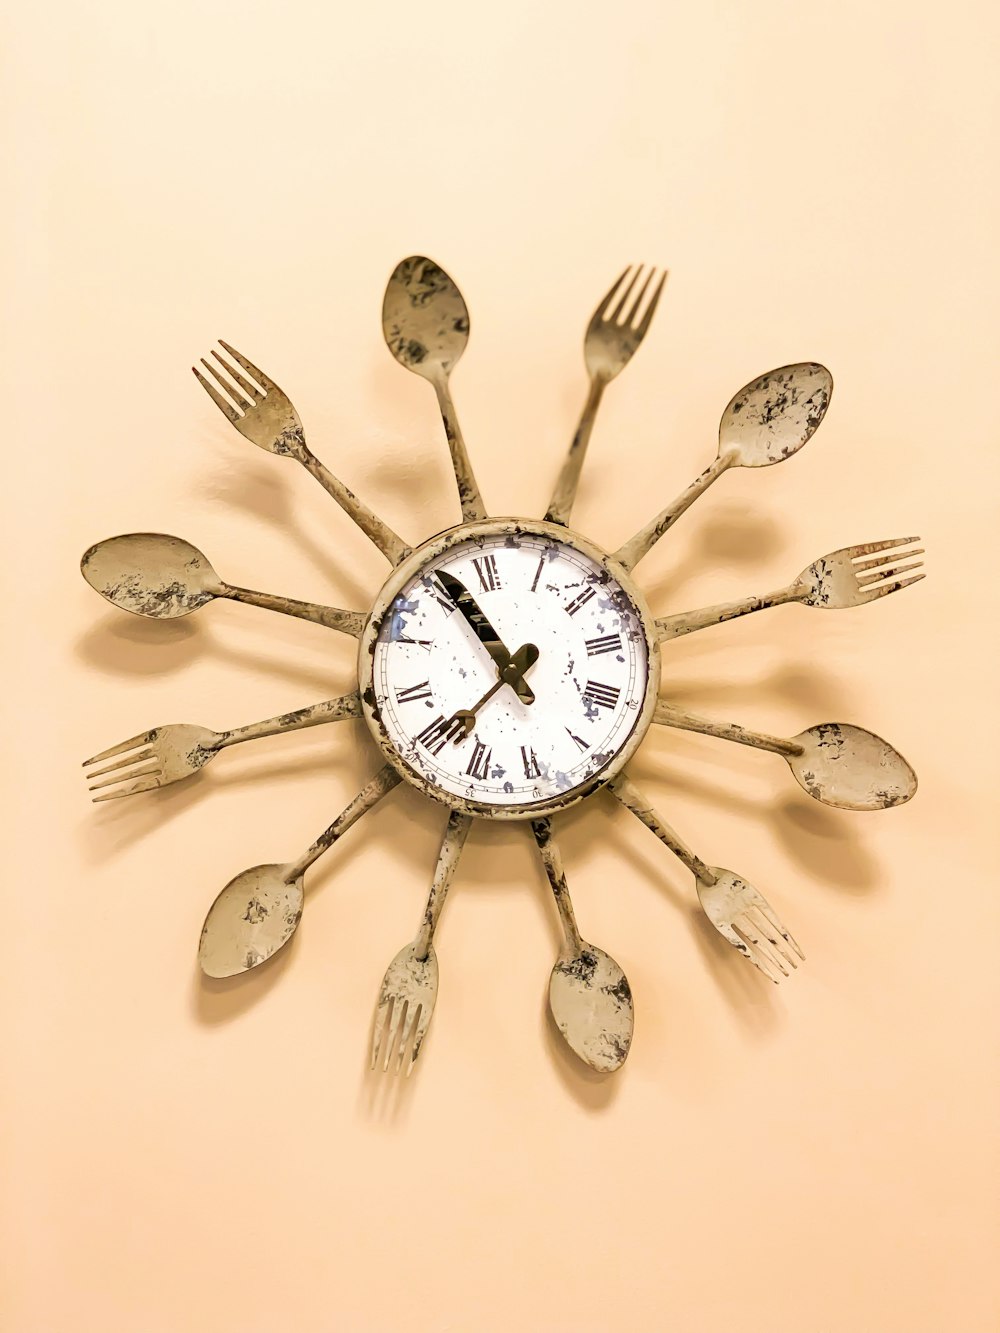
508	668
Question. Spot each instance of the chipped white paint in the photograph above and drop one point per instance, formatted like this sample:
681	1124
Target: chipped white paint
835	582
589	995
835	762
163	577
409	988
766	422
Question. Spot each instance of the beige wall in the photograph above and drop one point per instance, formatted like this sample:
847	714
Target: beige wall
822	182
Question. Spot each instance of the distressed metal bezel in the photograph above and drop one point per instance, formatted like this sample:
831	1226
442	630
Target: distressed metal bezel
410	568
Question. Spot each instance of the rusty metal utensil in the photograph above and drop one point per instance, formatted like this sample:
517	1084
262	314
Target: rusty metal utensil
589	995
764	423
425	322
738	911
258	912
611	340
163	755
264	415
153	574
835	762
408	992
834	582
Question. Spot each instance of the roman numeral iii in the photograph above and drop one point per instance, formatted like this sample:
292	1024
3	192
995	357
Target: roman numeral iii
607	643
604	696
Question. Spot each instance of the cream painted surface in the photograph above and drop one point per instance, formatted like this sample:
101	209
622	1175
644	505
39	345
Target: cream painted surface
215	1157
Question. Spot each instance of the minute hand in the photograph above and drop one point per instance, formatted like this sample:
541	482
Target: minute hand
485	632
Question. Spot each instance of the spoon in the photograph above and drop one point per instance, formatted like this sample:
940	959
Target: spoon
766	422
151	574
258	911
835	762
589	995
425	323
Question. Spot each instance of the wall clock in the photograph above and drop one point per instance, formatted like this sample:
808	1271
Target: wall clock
508	668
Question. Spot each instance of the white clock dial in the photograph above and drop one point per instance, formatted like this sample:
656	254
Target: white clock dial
431	668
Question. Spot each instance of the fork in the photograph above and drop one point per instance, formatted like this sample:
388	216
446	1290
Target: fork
264	415
409	988
163	755
738	911
610	342
836	581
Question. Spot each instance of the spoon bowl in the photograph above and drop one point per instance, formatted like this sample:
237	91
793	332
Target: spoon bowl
774	415
425	320
254	916
151	574
851	768
591	1002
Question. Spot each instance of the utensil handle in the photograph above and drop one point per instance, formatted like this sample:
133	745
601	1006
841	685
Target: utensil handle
672	627
348	622
552	861
561	504
669	716
455	835
632	799
643	542
332	710
468	490
392	547
382	783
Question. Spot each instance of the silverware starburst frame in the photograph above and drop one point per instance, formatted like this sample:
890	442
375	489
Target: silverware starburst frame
557	718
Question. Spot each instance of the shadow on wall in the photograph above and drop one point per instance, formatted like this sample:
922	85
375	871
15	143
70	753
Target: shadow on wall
817	839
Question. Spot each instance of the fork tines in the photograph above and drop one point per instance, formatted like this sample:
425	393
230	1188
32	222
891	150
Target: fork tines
251	393
878	577
135	766
768	945
404	1022
623	288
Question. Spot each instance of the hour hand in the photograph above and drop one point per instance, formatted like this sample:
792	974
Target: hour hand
462	722
473	613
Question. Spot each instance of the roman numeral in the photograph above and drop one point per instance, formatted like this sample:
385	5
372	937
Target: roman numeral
580	600
479	764
604	696
581	744
413	692
538	574
486	568
434	736
607	643
441	598
530	762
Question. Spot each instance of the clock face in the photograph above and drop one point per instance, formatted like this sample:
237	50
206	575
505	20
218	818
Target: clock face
450	716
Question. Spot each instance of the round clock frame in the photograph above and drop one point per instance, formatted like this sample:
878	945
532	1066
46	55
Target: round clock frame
410	568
